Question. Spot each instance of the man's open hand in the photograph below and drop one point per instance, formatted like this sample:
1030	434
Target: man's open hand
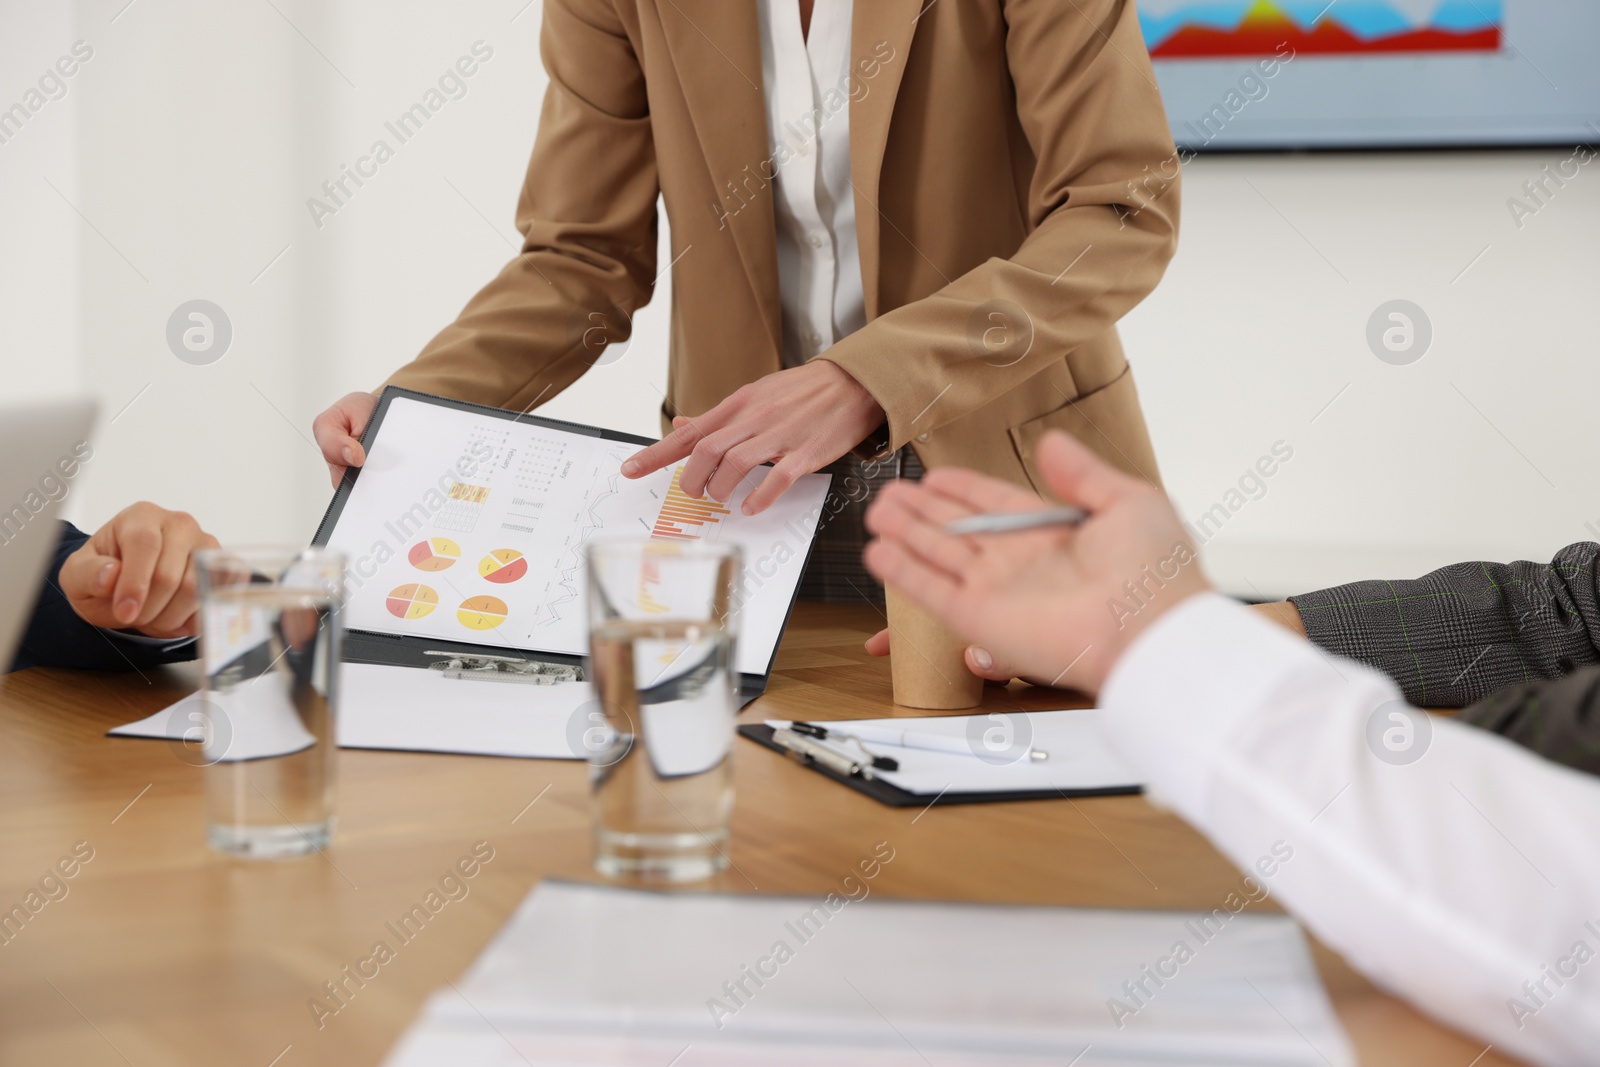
1049	604
338	431
800	420
138	572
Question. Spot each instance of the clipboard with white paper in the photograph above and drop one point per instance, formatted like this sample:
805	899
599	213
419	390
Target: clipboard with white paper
465	531
1079	761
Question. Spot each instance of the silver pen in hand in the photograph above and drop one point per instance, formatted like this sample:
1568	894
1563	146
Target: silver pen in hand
1016	521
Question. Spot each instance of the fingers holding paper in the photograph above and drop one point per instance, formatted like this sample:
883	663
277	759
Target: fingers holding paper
800	420
1057	604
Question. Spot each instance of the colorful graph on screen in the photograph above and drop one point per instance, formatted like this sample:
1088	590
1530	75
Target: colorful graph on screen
1209	29
684	518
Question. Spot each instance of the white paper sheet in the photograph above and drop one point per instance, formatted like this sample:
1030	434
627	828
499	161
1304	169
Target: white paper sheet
1080	758
417	710
588	974
251	722
467	527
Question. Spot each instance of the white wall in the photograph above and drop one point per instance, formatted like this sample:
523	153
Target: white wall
436	223
193	139
1484	448
39	312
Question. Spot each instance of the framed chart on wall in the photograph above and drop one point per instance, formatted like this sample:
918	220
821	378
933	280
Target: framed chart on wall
1284	74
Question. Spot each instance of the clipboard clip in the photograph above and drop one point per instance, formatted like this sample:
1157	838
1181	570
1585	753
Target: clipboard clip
504	669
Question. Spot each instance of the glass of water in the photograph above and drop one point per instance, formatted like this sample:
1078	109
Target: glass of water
270	637
661	647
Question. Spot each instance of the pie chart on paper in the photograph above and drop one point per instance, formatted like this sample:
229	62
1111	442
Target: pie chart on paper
434	554
503	566
482	612
411	601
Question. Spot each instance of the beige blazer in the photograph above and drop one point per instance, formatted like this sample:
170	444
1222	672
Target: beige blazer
1016	193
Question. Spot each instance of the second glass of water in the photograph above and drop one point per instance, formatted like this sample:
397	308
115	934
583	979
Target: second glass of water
270	643
661	645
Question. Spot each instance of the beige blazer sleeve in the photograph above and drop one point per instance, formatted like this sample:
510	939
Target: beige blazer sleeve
1092	113
587	213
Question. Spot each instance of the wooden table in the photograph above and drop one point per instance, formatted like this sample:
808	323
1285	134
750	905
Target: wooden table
165	953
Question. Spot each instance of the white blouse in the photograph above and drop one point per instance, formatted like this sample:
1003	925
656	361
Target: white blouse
808	117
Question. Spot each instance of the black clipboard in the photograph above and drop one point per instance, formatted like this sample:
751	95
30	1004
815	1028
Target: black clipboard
895	797
406	650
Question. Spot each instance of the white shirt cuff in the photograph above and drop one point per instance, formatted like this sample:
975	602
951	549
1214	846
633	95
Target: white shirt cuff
1188	684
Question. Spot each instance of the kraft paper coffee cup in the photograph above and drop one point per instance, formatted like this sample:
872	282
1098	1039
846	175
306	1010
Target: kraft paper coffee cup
928	661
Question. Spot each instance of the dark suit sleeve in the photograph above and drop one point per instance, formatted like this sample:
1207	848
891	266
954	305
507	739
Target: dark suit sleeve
1456	635
56	636
1560	720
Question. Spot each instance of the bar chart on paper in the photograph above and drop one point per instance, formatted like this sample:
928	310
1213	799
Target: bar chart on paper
683	518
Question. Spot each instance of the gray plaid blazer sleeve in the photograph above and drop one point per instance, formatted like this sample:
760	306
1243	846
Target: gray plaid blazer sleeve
1454	636
1560	719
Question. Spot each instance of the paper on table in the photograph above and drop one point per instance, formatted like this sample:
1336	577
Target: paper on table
252	721
421	710
468	527
1079	759
586	974
416	710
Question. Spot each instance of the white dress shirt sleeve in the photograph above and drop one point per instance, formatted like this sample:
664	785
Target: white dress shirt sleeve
1450	866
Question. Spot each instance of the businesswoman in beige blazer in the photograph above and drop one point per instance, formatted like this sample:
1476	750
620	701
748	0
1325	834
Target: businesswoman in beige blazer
899	227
